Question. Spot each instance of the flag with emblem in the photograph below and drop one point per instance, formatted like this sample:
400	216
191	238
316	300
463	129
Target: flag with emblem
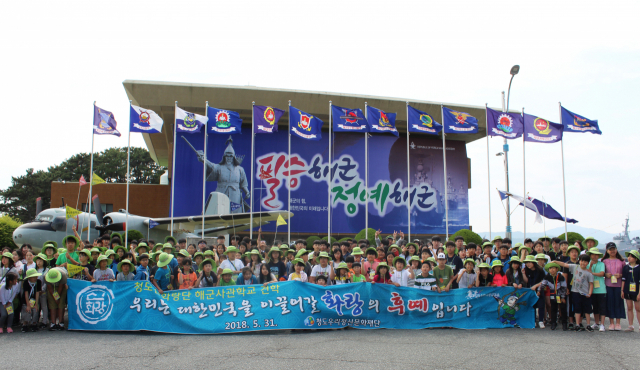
540	130
223	121
188	122
265	119
507	125
576	123
305	125
144	120
348	120
96	180
71	212
458	122
422	122
104	123
381	121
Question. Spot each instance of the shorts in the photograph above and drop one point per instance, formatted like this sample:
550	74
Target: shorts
51	303
581	303
599	304
631	296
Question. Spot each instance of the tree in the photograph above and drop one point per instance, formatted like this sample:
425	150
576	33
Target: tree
310	241
19	199
468	235
572	237
371	233
7	226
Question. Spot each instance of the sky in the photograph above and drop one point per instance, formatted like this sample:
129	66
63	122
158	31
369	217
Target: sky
60	57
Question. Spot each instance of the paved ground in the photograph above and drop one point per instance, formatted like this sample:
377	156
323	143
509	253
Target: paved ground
362	349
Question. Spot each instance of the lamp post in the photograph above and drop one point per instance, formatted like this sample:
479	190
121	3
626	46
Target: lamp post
505	151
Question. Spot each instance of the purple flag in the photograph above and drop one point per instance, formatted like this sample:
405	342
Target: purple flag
507	125
539	130
103	122
265	119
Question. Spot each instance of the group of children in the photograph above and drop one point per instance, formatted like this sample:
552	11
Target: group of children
571	285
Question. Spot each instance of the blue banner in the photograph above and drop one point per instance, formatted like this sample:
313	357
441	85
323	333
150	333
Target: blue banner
304	125
348	120
136	305
576	123
507	125
422	122
381	121
540	130
455	122
223	121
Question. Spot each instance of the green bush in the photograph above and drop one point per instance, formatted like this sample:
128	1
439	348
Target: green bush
133	235
7	226
468	235
371	234
333	240
115	234
310	241
344	239
572	238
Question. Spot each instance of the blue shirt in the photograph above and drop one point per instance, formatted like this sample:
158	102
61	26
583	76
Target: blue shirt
173	264
142	273
504	262
163	277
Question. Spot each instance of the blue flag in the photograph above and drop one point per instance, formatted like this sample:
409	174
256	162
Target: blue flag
265	119
144	120
152	224
547	211
305	125
224	121
380	121
189	123
348	120
576	123
455	122
104	123
422	122
507	125
539	130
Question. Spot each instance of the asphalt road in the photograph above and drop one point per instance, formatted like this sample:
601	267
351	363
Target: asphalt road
333	349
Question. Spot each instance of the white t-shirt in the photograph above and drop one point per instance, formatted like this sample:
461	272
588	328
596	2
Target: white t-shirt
401	277
319	270
234	266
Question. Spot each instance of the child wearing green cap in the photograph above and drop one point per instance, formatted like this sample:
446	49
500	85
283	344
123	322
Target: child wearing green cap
207	277
56	296
571	258
226	278
581	289
9	289
425	280
402	274
125	268
298	274
467	276
484	277
630	285
103	273
599	297
42	269
31	288
556	285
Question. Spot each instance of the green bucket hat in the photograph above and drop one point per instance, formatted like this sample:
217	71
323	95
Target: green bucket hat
394	246
231	249
214	265
573	247
633	253
342	265
143	255
87	253
515	259
49	244
53	276
126	261
432	259
399	259
198	254
415	258
544	238
594	250
496	263
142	245
382	264
102	258
541	256
484	265
184	253
300	253
468	260
43	257
64	240
164	259
95	250
321	255
32	273
167	238
109	252
414	245
297	261
524	247
497	238
8	255
208	253
116	235
62	250
357	251
487	244
284	247
153	255
530	258
168	246
550	265
584	242
372	249
273	249
115	250
226	272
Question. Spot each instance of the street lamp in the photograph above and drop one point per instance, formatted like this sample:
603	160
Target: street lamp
505	148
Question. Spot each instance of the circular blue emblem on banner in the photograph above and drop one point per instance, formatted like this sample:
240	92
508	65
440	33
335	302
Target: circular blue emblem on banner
94	304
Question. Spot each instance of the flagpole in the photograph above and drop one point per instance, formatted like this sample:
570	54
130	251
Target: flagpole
408	181
91	178
329	177
486	117
204	165
524	180
253	135
173	162
126	222
564	192
446	190
366	175
289	181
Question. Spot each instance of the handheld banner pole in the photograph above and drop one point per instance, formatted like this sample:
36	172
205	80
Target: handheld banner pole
524	181
204	165
329	177
564	192
488	169
173	162
366	175
91	179
446	187
289	179
126	222
253	135
408	181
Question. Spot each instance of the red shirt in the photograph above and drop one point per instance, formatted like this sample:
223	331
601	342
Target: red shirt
378	279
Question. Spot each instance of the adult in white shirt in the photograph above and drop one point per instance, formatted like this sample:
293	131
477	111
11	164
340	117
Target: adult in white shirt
231	262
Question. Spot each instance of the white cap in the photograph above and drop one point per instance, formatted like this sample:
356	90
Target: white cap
441	256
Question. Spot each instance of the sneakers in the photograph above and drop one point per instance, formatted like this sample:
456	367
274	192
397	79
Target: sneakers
34	328
571	326
554	326
541	325
52	327
579	328
9	330
589	328
602	328
25	329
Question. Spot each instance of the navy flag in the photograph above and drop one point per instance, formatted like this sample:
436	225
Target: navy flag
348	120
304	125
224	121
576	123
104	123
455	122
540	130
380	121
421	122
188	122
507	125
144	120
265	119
